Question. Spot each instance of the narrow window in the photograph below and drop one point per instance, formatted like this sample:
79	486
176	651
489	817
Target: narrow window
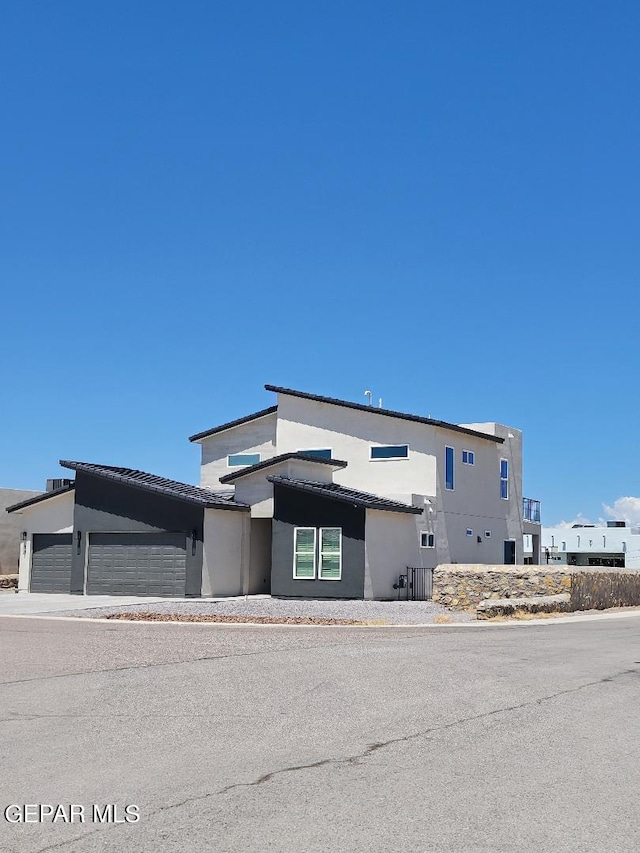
604	541
504	479
239	460
304	557
564	546
390	451
427	540
449	479
578	538
330	554
468	457
323	453
553	541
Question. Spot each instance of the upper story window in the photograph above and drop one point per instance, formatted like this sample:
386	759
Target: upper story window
449	462
468	457
504	479
240	460
390	451
322	453
427	540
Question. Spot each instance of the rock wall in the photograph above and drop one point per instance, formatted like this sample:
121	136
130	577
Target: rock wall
464	586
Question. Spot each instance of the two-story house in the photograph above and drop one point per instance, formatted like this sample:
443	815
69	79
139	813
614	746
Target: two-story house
311	497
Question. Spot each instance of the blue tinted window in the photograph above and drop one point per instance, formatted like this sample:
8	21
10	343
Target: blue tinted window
391	451
504	469
468	457
448	468
238	460
318	454
504	479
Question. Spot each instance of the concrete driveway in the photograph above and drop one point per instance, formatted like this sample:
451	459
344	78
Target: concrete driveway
32	603
237	738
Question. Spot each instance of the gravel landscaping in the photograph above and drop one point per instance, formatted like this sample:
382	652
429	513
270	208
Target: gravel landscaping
293	611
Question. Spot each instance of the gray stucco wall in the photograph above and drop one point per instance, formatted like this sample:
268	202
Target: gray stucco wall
102	506
10	529
293	509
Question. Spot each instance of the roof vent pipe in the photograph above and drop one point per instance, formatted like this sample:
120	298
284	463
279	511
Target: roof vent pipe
369	395
380	403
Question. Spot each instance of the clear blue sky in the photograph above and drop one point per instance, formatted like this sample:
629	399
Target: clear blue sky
435	200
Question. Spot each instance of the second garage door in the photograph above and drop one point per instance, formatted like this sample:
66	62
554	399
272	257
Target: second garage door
137	564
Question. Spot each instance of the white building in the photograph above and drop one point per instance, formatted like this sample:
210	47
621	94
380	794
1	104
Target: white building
616	545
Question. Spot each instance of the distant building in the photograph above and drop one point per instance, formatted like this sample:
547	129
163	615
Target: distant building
615	546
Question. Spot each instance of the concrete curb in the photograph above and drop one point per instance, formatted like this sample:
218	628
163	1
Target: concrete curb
526	623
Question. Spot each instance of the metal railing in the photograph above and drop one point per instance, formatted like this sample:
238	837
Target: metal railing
531	510
419	584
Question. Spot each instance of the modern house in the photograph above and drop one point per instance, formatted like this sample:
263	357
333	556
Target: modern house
311	497
615	546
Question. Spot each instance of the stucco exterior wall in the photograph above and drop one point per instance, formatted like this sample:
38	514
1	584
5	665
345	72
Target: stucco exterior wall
10	529
257	436
225	565
592	542
392	543
52	516
254	489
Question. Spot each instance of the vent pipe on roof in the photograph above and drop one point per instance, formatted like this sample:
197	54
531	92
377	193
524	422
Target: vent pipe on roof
369	395
380	403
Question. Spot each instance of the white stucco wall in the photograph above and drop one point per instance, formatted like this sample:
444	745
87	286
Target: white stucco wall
257	436
392	543
595	540
254	489
54	515
225	562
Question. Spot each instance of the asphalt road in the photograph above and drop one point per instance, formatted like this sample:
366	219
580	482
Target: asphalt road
235	738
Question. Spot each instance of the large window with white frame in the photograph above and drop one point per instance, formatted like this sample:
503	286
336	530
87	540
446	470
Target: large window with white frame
449	465
317	549
330	554
504	479
304	553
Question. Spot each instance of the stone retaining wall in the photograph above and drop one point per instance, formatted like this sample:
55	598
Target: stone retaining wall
464	586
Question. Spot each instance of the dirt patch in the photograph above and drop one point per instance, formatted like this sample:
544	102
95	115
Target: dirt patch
212	617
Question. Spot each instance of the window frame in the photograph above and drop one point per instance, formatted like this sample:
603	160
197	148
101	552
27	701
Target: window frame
243	464
297	577
320	552
469	531
373	458
504	480
452	487
430	537
311	451
471	457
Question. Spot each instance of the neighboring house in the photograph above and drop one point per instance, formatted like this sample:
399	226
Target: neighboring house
10	529
311	497
614	546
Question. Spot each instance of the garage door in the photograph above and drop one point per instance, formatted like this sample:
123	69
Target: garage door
51	563
137	564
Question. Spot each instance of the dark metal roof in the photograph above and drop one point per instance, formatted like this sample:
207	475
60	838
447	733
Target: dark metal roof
385	412
39	498
160	485
283	457
244	420
341	493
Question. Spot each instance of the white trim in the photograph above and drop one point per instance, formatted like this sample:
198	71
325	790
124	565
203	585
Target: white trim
428	534
471	453
244	464
320	578
453	455
387	458
469	531
487	534
315	545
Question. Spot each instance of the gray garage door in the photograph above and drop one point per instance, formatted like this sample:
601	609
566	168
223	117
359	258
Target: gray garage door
137	564
51	563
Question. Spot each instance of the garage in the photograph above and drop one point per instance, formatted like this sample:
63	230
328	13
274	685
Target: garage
51	562
137	564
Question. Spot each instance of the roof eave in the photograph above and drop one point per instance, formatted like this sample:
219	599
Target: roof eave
263	413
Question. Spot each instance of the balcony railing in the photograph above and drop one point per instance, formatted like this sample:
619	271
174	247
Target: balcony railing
531	510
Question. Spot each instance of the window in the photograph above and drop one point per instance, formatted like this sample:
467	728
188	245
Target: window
238	460
304	556
469	531
564	546
487	534
390	451
427	540
324	453
468	457
504	479
330	554
448	468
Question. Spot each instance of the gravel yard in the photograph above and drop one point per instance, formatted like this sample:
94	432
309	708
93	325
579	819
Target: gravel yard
270	609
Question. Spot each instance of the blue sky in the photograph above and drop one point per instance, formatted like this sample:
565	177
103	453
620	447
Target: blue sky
434	200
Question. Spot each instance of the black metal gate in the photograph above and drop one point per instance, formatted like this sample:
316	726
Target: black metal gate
420	584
